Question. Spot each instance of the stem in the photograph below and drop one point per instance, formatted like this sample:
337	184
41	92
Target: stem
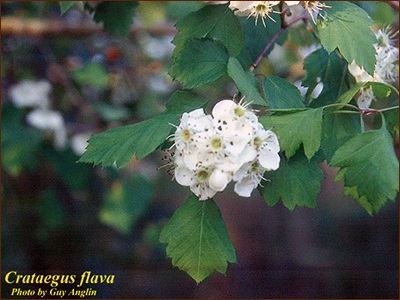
342	112
362	123
274	38
343	105
386	109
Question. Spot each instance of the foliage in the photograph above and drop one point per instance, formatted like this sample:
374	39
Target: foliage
120	144
296	183
369	167
345	26
217	52
198	241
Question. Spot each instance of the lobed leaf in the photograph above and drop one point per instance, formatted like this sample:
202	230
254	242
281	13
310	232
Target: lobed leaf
216	22
296	127
201	61
328	69
336	130
198	241
369	167
246	82
140	139
295	182
281	94
117	16
346	26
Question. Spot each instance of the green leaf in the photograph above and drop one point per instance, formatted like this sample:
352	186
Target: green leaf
140	139
281	94
94	74
331	71
246	82
346	26
198	241
201	61
295	182
336	130
117	16
369	167
216	22
392	120
380	89
381	12
125	203
66	5
296	127
256	37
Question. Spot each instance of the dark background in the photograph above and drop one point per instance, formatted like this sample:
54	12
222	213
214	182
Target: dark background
53	209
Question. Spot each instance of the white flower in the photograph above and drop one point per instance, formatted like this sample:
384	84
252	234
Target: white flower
211	151
387	57
191	123
386	68
248	178
49	121
197	180
79	143
365	97
29	93
267	145
315	8
253	8
359	74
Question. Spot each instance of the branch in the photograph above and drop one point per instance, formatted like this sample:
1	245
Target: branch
16	25
285	25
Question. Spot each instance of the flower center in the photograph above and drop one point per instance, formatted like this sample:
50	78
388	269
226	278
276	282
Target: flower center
262	9
257	141
185	135
202	175
216	143
255	166
239	111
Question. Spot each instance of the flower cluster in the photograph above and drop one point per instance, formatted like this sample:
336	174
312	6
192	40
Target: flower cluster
211	151
263	9
36	94
386	68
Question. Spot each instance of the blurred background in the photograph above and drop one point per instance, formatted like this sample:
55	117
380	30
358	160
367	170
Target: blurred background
63	79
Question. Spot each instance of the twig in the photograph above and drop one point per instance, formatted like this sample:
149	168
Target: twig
275	37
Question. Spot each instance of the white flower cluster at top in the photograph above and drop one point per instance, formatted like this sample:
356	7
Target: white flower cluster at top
386	68
211	151
263	9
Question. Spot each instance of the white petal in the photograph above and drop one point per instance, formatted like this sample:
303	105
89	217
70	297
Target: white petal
269	159
244	187
184	176
219	180
242	172
203	191
242	6
248	154
224	107
290	3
